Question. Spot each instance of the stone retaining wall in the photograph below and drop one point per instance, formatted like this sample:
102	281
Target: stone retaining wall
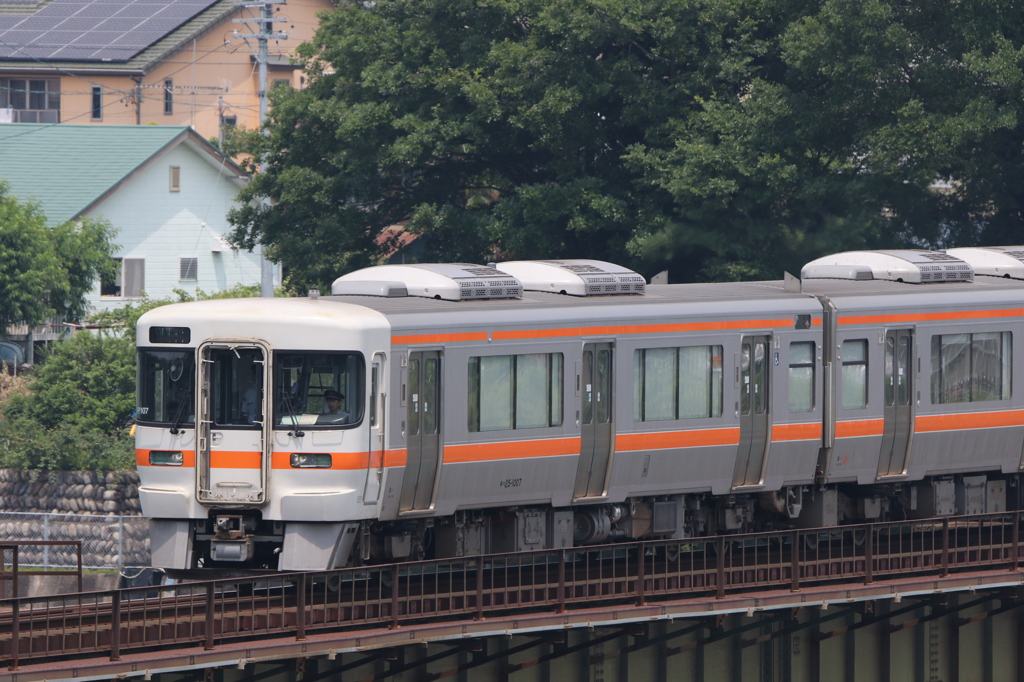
76	492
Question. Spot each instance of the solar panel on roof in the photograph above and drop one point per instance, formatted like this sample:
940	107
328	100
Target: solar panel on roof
106	31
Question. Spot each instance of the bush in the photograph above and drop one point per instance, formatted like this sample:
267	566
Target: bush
26	444
73	412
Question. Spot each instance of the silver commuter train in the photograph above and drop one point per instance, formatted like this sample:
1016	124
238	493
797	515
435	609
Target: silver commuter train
449	410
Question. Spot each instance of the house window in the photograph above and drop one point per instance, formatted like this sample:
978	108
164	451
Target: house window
97	103
230	121
129	280
111	286
188	269
168	96
134	278
281	82
175	178
32	100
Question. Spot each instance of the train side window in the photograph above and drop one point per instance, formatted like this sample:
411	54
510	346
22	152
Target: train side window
969	368
515	391
801	376
855	374
677	383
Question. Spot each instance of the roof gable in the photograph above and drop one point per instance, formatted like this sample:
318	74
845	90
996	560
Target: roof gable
68	168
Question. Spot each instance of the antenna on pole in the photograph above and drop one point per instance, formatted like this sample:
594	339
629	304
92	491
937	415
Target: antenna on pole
262	32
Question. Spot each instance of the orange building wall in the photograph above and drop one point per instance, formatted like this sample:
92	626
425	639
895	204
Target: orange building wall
214	68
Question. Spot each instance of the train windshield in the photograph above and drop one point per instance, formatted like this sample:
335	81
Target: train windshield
318	389
165	387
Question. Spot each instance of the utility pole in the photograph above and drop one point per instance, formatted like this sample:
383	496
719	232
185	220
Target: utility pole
262	34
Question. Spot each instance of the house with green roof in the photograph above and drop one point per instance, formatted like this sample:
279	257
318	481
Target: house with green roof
165	188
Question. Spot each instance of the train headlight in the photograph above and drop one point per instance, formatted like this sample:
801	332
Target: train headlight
311	460
166	458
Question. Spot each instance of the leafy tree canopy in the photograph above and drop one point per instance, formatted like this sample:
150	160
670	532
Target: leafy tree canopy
46	272
721	138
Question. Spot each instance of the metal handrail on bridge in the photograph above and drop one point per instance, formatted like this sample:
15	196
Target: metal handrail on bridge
210	612
10	573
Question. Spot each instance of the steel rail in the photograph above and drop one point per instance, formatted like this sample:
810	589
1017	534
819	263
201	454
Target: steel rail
208	613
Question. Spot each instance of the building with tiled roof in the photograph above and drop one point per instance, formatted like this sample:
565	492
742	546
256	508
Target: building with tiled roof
132	62
165	188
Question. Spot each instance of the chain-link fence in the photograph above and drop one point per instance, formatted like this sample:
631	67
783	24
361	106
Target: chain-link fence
107	541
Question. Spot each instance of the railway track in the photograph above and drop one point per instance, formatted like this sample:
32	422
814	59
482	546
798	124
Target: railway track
210	612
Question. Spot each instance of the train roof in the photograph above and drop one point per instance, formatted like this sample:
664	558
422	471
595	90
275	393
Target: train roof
724	300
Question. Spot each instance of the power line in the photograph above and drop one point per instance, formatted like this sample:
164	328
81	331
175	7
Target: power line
265	22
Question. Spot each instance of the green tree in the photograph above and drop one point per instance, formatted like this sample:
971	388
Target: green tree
47	272
723	138
28	265
842	138
74	412
498	128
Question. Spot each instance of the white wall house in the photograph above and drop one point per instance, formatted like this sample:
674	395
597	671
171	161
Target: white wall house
165	188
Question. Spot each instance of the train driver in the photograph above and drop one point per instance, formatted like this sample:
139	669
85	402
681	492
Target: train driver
335	414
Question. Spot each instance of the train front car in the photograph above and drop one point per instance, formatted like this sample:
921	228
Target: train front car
255	434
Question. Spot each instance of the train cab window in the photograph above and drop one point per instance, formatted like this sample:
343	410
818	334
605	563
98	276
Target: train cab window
318	389
677	383
166	380
855	374
236	387
801	376
515	391
968	368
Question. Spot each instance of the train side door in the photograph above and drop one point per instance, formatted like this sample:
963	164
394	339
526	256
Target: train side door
596	424
375	447
423	430
232	423
755	411
897	394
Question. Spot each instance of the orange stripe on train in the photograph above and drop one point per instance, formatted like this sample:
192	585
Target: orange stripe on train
340	461
931	317
860	427
188	457
971	420
439	338
486	452
664	440
642	329
790	432
785	322
395	458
